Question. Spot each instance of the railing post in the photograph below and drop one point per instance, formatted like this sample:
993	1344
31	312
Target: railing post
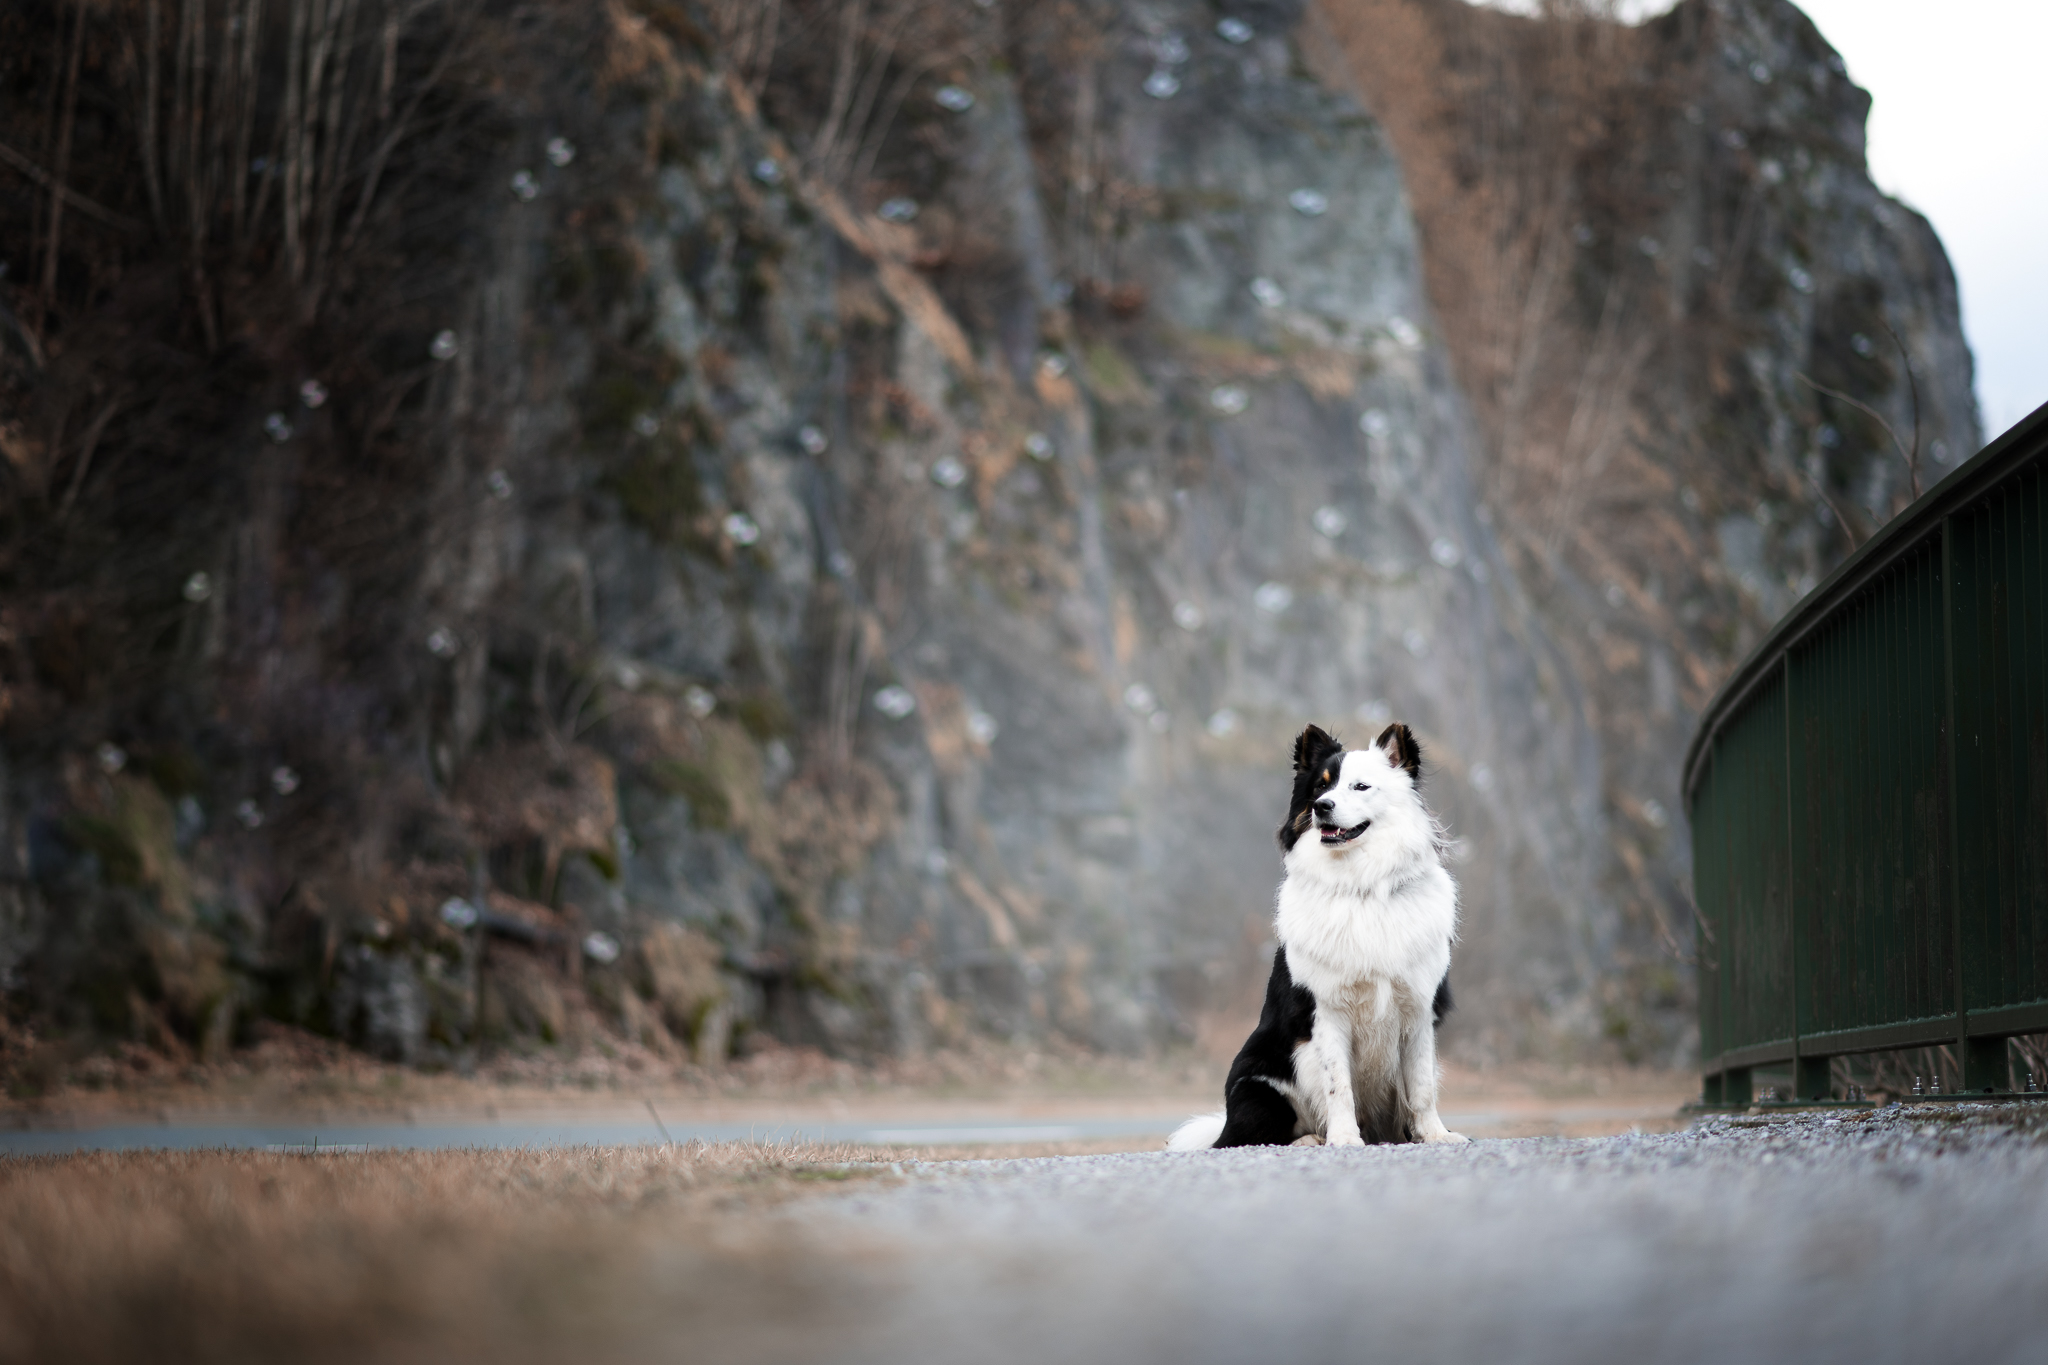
1812	1079
1736	1088
1984	1066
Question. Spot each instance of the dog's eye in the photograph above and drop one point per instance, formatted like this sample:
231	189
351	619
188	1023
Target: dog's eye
1360	787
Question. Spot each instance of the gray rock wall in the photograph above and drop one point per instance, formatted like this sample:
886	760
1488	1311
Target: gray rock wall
1252	509
879	609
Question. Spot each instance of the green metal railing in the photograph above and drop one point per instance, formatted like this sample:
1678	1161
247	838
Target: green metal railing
1869	798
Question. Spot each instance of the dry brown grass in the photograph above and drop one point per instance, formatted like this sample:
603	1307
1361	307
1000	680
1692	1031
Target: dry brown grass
295	1072
510	1255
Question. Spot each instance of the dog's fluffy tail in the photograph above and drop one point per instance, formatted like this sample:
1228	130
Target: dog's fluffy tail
1197	1134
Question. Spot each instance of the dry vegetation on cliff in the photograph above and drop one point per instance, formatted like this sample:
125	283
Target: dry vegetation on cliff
1671	293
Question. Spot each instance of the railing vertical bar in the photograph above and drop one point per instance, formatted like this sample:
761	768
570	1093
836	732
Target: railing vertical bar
2013	932
1911	913
1892	762
1793	919
1724	923
2025	614
1717	914
1863	800
2030	981
1954	849
1909	712
1846	727
1995	740
1988	904
1924	844
1878	742
1876	717
1996	925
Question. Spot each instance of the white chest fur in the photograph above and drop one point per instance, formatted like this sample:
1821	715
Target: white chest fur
1343	932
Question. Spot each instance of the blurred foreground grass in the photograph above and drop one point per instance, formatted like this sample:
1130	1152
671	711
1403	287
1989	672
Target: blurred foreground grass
587	1253
590	1254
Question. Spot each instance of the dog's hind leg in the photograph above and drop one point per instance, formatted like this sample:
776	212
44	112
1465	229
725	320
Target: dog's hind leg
1258	1114
1419	1081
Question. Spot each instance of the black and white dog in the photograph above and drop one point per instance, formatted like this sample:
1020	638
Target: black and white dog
1345	1048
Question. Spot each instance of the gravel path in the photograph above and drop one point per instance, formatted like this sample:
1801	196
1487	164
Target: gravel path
1912	1233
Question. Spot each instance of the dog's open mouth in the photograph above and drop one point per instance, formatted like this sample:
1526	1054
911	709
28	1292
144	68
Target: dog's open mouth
1337	834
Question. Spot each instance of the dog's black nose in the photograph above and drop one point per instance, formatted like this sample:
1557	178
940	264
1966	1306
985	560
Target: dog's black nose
1325	806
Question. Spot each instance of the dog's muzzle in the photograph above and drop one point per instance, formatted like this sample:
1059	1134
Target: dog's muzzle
1333	835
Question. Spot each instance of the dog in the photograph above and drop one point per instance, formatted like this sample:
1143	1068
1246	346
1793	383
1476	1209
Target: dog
1345	1048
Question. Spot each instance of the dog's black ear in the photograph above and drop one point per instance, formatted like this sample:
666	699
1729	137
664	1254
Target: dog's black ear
1312	746
1397	742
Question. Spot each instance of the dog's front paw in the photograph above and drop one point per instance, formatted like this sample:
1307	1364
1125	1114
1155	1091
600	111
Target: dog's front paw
1344	1140
1447	1136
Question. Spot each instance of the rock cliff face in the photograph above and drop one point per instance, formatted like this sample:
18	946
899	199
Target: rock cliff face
1691	330
855	562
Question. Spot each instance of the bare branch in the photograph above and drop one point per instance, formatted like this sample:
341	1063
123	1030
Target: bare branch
843	82
90	444
55	241
90	208
1848	529
152	62
1912	460
392	137
1913	388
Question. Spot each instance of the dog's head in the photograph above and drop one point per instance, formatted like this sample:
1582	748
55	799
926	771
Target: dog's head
1339	792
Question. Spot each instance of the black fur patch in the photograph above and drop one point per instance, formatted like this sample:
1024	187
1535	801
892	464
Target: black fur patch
1443	1004
1254	1113
1318	757
1397	741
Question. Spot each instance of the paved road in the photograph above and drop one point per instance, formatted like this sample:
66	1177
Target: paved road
1913	1234
567	1131
923	1129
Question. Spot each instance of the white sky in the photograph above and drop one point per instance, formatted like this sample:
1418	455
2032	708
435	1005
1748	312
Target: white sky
1957	130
